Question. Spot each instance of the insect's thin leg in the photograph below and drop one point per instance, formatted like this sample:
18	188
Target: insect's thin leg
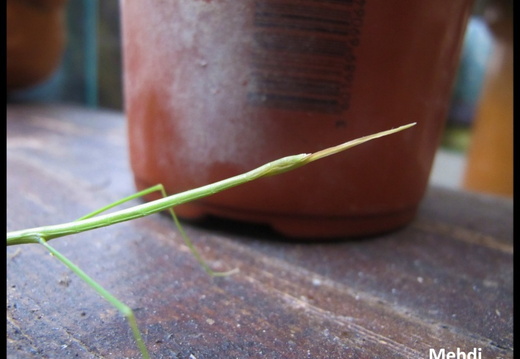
190	244
187	240
142	193
122	307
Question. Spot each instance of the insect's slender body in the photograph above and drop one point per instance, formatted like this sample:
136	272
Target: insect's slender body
42	235
145	209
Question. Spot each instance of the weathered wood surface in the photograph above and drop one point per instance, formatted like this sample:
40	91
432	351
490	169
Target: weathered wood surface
445	281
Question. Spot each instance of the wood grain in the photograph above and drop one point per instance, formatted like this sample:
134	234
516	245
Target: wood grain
445	281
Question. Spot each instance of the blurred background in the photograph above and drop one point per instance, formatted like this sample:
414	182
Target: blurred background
477	149
89	72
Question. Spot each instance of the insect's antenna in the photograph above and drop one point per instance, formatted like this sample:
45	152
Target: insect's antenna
344	146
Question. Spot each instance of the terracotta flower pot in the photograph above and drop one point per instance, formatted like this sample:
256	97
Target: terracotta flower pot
215	88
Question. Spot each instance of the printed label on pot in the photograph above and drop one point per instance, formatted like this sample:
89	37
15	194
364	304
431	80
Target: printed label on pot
303	54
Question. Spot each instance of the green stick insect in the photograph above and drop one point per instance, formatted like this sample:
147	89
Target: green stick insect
42	235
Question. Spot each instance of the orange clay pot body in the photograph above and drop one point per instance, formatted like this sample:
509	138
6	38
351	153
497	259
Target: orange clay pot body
215	88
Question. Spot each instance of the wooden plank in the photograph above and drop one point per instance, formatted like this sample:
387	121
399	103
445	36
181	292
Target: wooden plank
445	281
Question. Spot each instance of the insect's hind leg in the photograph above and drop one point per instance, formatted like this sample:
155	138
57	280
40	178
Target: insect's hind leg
187	240
190	244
